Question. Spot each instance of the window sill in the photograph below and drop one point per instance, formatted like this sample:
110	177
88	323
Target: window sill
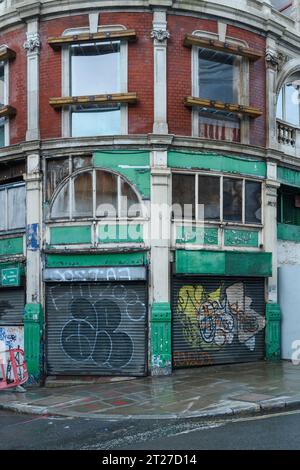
250	111
57	42
7	111
59	102
6	53
198	41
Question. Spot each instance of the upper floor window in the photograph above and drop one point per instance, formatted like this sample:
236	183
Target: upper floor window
216	198
288	102
12	207
220	87
93	193
95	69
219	76
95	93
219	79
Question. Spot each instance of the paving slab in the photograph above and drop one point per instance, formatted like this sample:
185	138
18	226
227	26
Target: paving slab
206	392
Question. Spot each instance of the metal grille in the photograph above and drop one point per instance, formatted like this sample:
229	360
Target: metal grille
96	328
217	320
11	306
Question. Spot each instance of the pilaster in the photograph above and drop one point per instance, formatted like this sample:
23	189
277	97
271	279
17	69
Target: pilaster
160	35
32	45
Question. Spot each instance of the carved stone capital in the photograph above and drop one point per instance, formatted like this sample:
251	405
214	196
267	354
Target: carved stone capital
33	42
275	60
160	35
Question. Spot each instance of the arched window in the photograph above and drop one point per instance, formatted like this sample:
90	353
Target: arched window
95	194
288	103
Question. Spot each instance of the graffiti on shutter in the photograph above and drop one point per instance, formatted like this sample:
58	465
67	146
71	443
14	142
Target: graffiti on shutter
213	320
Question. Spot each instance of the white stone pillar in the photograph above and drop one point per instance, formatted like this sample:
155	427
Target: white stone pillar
160	34
295	13
33	235
32	46
160	227
273	63
270	226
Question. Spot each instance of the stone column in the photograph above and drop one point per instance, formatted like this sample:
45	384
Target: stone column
274	63
33	318
32	46
160	34
273	316
160	265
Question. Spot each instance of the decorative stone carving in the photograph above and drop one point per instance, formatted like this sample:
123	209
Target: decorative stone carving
160	34
275	60
33	42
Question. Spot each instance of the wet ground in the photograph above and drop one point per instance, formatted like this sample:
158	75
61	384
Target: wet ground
274	432
206	391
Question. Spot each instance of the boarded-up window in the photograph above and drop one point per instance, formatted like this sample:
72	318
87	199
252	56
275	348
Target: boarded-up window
83	195
106	194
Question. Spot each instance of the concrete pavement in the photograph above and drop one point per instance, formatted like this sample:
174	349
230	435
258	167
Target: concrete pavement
207	392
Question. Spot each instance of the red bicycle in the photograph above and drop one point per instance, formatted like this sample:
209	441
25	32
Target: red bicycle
13	370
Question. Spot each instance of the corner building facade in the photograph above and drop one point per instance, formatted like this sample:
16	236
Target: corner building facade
111	113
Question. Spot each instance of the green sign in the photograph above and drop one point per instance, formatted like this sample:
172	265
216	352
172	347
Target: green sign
10	277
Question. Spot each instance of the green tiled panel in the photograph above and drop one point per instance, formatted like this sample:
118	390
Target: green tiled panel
11	246
197	235
288	232
70	235
105	259
246	238
132	233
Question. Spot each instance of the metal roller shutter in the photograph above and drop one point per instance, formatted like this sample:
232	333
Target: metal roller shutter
11	306
217	320
96	328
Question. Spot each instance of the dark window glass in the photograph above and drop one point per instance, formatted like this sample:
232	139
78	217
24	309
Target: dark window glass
218	76
252	202
183	196
209	196
232	199
83	195
288	206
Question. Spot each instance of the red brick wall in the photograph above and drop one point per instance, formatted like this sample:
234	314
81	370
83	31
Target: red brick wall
140	74
180	75
180	71
140	70
17	83
257	83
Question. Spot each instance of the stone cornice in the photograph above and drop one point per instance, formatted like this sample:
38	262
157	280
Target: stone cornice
66	146
254	14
